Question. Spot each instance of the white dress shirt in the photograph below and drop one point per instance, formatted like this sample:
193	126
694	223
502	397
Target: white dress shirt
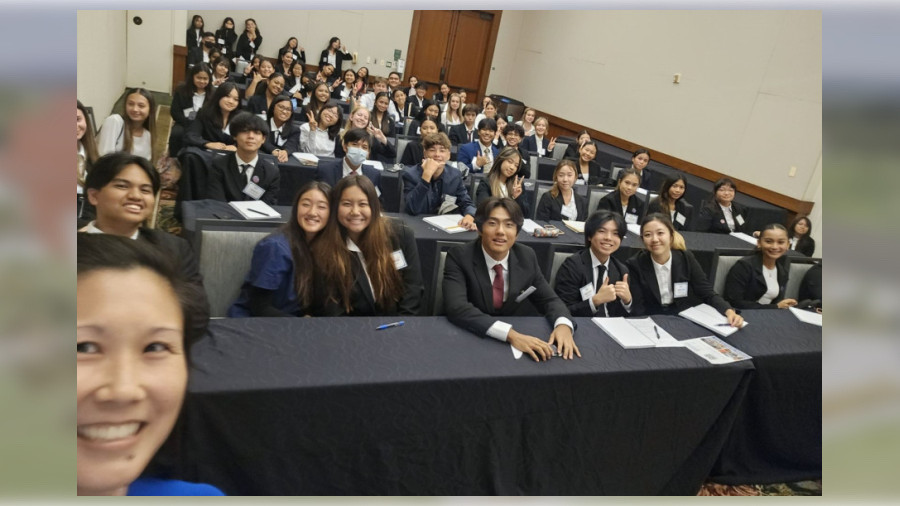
597	282
771	277
248	174
729	216
91	228
664	280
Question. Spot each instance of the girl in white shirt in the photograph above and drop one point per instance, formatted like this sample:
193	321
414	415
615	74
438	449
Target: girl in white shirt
131	132
452	116
318	136
527	121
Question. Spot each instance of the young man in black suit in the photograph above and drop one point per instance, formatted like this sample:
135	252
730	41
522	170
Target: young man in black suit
493	277
200	54
466	131
592	282
244	175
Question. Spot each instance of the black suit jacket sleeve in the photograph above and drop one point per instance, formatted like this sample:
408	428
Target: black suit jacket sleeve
178	249
569	280
271	181
413	288
806	245
291	145
745	283
413	154
179	104
216	181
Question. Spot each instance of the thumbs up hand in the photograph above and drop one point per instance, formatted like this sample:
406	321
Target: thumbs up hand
622	290
606	293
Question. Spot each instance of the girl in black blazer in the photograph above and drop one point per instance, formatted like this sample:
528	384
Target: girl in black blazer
283	139
561	195
758	281
221	73
671	203
194	34
260	102
357	236
226	37
503	181
430	111
443	95
798	234
187	100
293	46
381	118
712	217
686	285
589	171
210	130
572	150
337	52
538	142
624	199
250	41
639	161
414	152
345	88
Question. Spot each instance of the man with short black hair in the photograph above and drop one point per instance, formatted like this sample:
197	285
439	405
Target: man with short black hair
357	146
479	155
393	81
419	98
200	54
465	132
245	175
433	187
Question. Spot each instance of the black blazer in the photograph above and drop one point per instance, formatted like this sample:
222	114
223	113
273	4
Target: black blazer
712	219
193	38
806	245
576	272
550	207
194	57
483	192
459	134
226	184
332	171
288	140
182	99
596	173
682	210
811	285
409	110
685	268
257	104
613	202
362	301
413	154
229	37
745	283
203	131
468	295
243	46
339	58
387	124
529	143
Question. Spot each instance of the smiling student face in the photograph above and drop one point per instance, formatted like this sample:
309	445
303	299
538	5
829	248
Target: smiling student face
312	212
657	239
126	201
354	212
676	190
498	233
360	118
80	124
773	243
131	375
137	107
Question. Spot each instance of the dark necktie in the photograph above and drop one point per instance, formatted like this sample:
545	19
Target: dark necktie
470	135
600	271
497	287
244	167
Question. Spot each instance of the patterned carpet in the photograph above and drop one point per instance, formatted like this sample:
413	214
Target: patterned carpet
808	488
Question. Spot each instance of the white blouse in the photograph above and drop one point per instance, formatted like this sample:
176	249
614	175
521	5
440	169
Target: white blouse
316	142
112	137
771	277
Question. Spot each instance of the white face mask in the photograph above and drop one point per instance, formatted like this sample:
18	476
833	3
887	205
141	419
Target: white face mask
356	156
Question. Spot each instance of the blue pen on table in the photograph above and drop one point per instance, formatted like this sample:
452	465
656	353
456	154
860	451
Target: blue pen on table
389	325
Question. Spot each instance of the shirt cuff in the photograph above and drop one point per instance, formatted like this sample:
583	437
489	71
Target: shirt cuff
627	306
500	330
562	320
593	307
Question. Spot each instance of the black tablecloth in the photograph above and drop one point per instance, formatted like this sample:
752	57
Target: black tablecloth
316	406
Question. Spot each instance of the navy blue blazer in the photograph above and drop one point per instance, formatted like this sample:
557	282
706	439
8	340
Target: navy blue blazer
576	272
529	143
332	171
469	151
745	283
426	198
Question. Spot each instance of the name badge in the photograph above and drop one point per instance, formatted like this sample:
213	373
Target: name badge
524	295
221	41
679	218
399	259
681	289
739	219
587	291
580	182
252	45
541	151
187	111
253	191
450	199
293	56
631	219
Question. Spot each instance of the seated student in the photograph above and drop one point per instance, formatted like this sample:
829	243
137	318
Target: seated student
758	281
284	138
245	176
362	81
494	264
589	171
202	53
318	136
513	134
393	81
452	114
810	293
280	280
327	74
226	37
479	154
539	142
443	94
573	150
561	202
419	98
356	143
671	203
489	110
136	321
285	61
527	121
466	131
317	100
592	282
380	148
639	160
266	69
414	152
430	111
400	109
211	129
432	187
720	214
367	265
259	104
344	88
296	84
132	132
187	100
503	181
798	233
624	199
499	139
221	73
381	114
667	279
334	55
413	82
123	187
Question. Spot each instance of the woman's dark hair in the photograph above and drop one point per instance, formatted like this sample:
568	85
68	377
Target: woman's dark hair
334	129
275	101
722	182
89	139
314	104
356	135
223	27
385	124
301	250
641	151
626	172
97	252
597	219
108	166
262	90
187	88
220	61
483	212
665	201
493	176
258	33
794	223
332	41
194	20
425	105
661	218
149	124
772	226
335	261
211	110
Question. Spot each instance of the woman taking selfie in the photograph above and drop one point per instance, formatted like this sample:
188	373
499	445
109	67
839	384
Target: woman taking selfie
670	202
758	281
561	202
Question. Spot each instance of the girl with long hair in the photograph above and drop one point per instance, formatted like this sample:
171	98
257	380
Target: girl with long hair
671	202
210	129
319	134
624	199
187	100
562	202
131	132
502	181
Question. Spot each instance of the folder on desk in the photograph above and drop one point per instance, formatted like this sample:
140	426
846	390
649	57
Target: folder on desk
636	332
447	222
575	226
707	316
307	159
255	210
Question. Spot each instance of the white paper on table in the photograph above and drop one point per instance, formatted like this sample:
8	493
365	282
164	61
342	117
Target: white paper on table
307	158
634	228
714	350
622	332
447	222
374	163
807	316
575	226
744	237
646	327
530	226
516	353
707	316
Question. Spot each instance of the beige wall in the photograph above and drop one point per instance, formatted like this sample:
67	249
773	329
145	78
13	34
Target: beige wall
101	59
150	48
749	102
372	34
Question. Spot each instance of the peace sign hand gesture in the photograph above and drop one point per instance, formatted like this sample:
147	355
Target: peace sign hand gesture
517	186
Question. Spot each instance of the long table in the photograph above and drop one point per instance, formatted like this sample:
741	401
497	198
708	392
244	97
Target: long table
330	406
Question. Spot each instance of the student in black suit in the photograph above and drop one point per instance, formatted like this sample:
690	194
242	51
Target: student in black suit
419	97
666	278
503	180
403	109
202	53
624	199
539	142
592	282
561	202
335	54
466	131
430	111
194	34
123	187
639	160
260	102
493	277
356	143
758	281
211	129
798	233
720	214
250	41
671	203
284	138
187	100
245	175
589	171
513	134
414	152
367	265
221	73
573	150
226	37
296	50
